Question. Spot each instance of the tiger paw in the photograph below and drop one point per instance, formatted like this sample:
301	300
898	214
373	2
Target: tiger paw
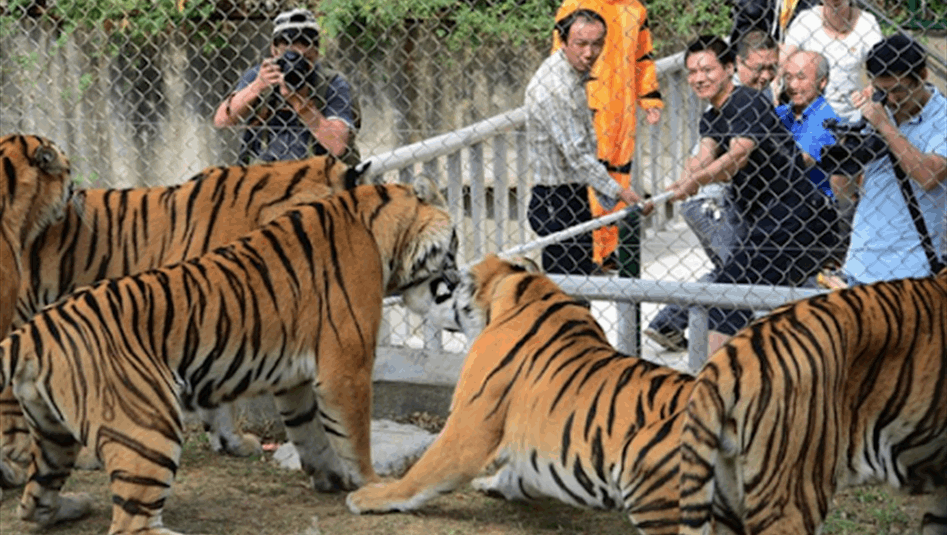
376	498
88	460
245	445
70	506
331	482
11	474
504	485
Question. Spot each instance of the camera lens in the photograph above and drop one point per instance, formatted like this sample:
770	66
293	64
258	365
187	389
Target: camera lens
295	69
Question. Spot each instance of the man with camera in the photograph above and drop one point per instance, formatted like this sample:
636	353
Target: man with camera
294	106
908	115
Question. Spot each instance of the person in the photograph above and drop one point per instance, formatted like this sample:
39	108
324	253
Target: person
562	145
710	214
843	33
757	61
805	78
786	230
294	105
770	16
805	115
623	78
910	119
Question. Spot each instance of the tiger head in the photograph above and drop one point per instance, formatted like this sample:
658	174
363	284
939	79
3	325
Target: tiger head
36	184
461	300
416	244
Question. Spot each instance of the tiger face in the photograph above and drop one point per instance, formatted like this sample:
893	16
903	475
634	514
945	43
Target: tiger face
34	186
457	300
431	251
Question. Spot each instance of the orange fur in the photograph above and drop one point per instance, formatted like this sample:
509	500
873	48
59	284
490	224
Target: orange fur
842	389
292	308
543	393
108	233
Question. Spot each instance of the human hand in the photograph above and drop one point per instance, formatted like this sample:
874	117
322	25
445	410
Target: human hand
653	115
808	159
269	76
872	111
683	187
631	198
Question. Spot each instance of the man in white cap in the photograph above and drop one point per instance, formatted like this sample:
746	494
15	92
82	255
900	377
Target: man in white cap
293	105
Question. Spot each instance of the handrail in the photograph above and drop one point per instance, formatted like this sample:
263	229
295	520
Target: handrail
450	142
447	143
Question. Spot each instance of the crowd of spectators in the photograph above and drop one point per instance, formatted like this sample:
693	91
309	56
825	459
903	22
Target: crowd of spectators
755	190
764	204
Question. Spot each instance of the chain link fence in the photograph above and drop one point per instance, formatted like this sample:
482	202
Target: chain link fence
129	89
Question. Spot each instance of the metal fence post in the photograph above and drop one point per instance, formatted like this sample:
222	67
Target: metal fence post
697	345
629	265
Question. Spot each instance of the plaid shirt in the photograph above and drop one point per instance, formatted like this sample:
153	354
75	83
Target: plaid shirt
560	133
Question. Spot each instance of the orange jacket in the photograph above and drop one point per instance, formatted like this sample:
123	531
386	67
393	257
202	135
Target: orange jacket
623	78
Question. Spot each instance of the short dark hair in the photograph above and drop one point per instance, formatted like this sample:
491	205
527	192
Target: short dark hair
711	43
564	24
897	55
754	40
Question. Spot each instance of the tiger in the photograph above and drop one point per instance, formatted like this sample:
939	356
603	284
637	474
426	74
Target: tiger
107	233
292	308
846	388
35	184
544	395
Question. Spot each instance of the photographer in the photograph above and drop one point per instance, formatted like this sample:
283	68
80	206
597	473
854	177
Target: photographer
294	106
909	116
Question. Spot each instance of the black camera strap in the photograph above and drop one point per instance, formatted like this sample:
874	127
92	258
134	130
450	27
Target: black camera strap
908	193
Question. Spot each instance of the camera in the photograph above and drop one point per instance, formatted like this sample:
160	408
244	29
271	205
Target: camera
297	71
855	146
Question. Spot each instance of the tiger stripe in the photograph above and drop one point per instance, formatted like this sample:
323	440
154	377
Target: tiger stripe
292	306
838	390
544	394
107	233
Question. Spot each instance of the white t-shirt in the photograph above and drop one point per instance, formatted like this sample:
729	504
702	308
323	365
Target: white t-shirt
846	56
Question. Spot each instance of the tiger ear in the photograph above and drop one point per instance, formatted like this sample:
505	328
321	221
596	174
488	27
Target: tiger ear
354	176
48	161
426	190
525	264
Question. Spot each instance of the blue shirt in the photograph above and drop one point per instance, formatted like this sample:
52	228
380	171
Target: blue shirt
282	135
810	135
885	243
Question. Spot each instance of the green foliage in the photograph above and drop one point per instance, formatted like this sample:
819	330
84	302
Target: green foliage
458	23
513	22
133	19
674	23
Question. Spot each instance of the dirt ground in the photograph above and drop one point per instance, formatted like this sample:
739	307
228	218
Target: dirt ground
226	496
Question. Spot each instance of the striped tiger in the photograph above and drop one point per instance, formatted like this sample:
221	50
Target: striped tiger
108	233
544	394
292	309
847	388
35	183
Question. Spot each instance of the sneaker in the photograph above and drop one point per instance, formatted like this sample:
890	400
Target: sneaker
668	338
